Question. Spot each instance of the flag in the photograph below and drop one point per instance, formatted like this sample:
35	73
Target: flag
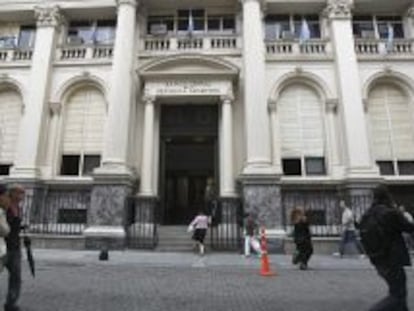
190	23
390	38
304	32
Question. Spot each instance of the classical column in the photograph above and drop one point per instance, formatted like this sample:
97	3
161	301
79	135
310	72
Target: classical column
226	175
333	138
146	185
276	142
32	124
409	15
255	103
359	163
115	153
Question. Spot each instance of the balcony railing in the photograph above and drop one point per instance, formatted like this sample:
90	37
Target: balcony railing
84	52
15	55
372	47
174	44
295	48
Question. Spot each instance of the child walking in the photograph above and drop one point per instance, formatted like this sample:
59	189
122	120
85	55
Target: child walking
200	224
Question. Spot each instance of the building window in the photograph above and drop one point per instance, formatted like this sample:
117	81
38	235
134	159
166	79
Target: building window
191	20
392	130
377	27
82	133
78	165
5	169
91	32
289	27
27	36
302	132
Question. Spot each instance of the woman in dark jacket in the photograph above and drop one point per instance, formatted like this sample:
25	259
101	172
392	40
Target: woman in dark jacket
302	238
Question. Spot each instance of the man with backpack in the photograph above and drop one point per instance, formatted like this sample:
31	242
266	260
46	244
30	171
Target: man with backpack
381	229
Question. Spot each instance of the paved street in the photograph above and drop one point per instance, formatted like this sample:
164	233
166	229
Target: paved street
77	281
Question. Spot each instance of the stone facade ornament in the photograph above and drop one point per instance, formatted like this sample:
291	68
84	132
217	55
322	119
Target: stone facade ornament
148	99
127	2
338	9
48	16
332	105
55	108
272	104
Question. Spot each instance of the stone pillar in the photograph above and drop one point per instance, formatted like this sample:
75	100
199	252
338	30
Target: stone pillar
227	188
146	186
276	143
114	179
255	103
32	124
334	159
115	154
359	163
409	16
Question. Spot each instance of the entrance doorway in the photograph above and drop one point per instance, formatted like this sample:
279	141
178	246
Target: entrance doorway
188	159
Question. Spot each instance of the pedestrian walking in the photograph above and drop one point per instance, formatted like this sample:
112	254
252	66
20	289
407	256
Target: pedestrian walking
14	254
250	233
348	235
302	238
4	226
382	226
200	225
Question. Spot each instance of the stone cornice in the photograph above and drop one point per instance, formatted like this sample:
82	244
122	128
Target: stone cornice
338	9
48	16
227	97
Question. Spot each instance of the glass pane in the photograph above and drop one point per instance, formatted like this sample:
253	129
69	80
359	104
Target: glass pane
363	26
198	13
213	23
90	162
27	36
198	24
105	35
386	167
315	166
70	165
406	167
292	167
229	23
182	25
183	13
4	169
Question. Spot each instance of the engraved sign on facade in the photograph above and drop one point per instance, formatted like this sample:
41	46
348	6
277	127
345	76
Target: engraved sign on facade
187	87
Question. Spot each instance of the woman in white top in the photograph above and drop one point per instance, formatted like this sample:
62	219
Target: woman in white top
200	226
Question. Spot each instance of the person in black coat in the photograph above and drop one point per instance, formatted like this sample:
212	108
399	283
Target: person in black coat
302	238
390	266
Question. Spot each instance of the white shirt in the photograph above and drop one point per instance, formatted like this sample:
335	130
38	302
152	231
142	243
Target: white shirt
347	219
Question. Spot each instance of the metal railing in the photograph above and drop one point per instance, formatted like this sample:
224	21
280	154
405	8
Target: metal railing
227	226
322	210
140	224
57	212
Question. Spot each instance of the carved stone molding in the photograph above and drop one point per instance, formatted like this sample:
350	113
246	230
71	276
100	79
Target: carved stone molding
148	99
332	105
227	97
55	108
338	9
272	105
387	69
410	11
365	104
48	16
134	3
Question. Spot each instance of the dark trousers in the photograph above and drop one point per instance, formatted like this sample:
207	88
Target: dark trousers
304	251
349	236
397	286
14	266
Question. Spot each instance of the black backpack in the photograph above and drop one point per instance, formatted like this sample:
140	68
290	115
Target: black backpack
374	237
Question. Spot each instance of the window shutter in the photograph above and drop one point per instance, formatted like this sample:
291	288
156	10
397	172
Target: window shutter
10	114
301	122
84	122
391	124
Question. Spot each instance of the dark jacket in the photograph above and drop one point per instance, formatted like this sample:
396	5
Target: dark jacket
13	239
394	224
301	232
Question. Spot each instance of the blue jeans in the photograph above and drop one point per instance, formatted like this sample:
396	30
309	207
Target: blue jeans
349	236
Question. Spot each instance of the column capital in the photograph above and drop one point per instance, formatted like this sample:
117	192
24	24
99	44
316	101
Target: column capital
338	9
48	16
410	12
133	3
272	104
149	99
261	2
55	108
227	98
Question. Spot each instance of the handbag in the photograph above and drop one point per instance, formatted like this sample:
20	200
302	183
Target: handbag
190	228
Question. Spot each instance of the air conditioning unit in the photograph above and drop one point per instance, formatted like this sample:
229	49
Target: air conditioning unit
74	40
368	34
158	29
288	35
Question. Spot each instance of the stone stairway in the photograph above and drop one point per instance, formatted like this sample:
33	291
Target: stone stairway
175	239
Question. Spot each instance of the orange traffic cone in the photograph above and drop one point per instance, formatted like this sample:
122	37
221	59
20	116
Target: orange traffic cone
265	266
